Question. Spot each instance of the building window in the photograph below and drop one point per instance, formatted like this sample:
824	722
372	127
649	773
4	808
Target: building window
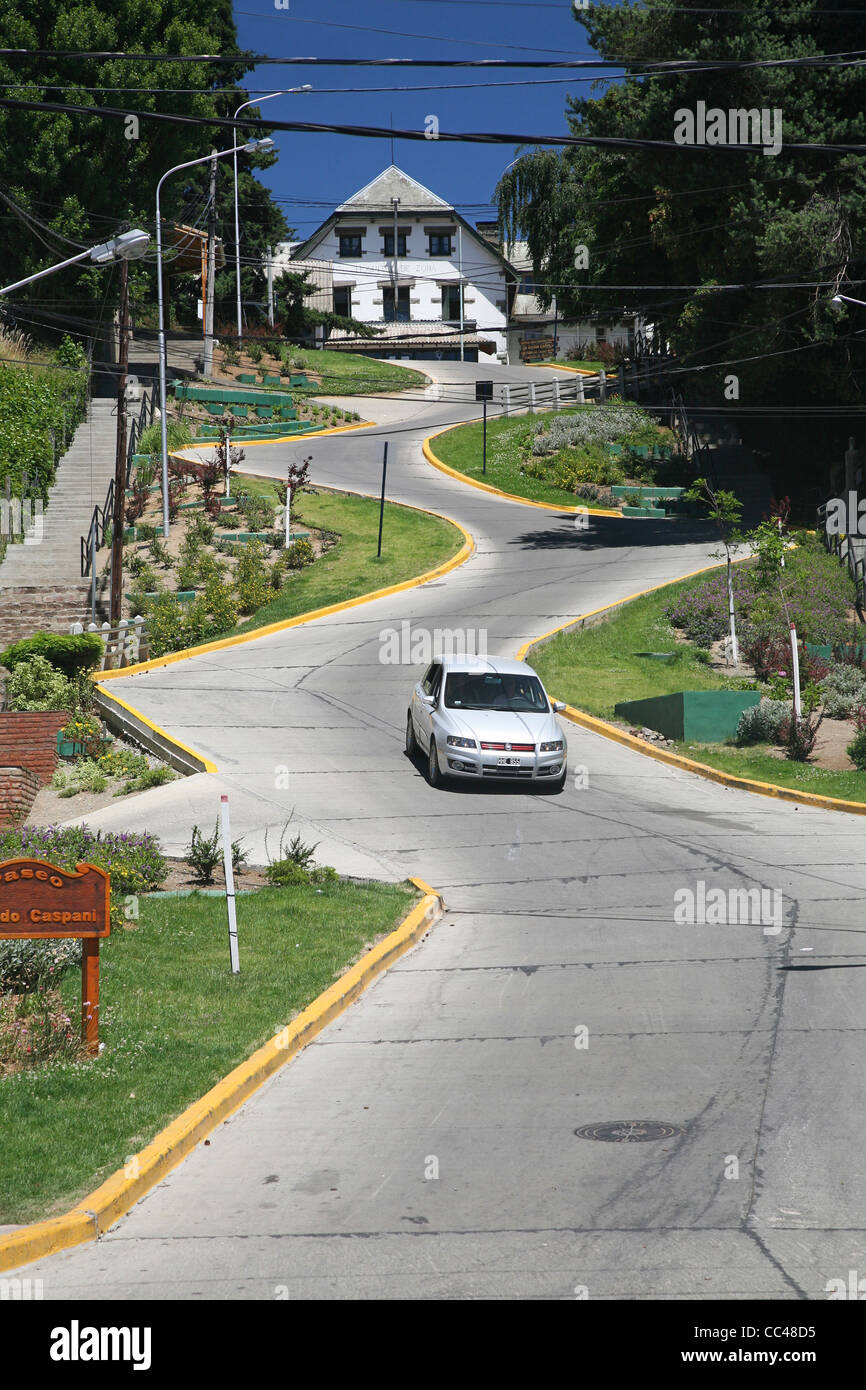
396	312
527	285
343	300
440	244
451	302
350	246
388	248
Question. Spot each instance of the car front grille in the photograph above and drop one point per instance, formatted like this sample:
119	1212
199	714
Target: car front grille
491	770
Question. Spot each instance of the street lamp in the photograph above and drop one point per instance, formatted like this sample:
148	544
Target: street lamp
250	147
244	104
130	246
839	298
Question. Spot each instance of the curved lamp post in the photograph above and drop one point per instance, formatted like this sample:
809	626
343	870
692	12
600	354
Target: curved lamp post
129	246
251	146
244	104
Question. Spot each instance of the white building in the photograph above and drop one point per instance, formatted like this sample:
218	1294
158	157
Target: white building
531	324
395	255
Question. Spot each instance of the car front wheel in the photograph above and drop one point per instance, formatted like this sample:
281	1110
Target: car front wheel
411	740
435	775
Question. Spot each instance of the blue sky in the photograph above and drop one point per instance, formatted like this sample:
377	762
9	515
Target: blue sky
329	168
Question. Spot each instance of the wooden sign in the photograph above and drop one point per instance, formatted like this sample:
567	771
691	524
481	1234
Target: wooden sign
38	899
537	349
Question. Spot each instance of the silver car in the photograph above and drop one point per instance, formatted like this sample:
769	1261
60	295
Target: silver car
486	719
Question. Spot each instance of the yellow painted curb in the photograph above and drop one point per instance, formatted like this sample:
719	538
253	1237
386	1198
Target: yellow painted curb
663	755
95	1213
463	554
283	438
157	728
578	371
497	492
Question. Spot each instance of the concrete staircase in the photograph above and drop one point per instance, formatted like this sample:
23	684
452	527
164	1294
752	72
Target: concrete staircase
40	584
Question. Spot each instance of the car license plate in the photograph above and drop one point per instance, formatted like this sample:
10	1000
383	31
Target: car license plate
508	762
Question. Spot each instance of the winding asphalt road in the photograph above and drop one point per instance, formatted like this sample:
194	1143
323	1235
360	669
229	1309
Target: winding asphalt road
424	1145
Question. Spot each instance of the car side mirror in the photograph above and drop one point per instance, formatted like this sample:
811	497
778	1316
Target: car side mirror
558	707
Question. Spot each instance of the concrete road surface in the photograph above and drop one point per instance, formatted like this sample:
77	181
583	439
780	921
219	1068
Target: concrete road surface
426	1144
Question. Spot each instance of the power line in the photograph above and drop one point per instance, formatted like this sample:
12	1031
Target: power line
443	137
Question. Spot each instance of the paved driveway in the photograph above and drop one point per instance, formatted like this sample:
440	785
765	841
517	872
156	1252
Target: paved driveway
424	1145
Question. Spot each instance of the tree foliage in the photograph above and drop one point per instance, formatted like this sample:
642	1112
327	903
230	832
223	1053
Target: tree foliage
83	176
703	216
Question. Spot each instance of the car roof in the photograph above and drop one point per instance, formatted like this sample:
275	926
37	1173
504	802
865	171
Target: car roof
502	666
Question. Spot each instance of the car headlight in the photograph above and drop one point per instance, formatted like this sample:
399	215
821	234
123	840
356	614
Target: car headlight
455	742
555	747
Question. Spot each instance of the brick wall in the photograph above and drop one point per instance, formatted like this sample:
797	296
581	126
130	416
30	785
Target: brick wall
30	741
18	787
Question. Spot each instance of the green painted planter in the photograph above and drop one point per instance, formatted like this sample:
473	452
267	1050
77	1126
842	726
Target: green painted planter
705	716
645	511
623	490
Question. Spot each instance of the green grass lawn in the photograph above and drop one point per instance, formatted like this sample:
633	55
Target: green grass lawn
350	374
598	666
462	449
412	543
174	1021
595	668
761	766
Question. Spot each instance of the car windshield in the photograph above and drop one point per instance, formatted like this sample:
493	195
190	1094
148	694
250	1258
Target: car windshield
521	694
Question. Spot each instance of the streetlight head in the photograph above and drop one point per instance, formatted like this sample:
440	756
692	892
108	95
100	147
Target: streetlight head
258	146
837	299
129	246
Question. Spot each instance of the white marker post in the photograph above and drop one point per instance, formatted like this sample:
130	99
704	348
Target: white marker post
230	885
288	514
798	710
228	465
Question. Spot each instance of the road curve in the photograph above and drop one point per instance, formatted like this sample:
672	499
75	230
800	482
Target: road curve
424	1145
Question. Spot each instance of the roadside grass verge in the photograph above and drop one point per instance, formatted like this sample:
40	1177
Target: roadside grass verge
174	1021
761	766
351	374
462	450
412	544
595	667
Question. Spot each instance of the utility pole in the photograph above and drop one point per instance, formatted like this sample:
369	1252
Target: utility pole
120	456
460	285
211	270
270	287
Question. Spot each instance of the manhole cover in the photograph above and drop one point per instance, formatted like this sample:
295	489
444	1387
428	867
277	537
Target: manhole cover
629	1131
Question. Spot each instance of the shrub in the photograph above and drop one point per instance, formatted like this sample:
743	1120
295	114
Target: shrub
149	777
252	578
86	776
26	965
37	685
177	432
286	873
254	352
67	654
203	854
159	553
70	354
299	554
257	511
856	750
34	1029
165	623
798	736
843	689
761	723
221	605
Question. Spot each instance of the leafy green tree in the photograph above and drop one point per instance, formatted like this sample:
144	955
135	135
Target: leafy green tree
291	289
82	175
705	217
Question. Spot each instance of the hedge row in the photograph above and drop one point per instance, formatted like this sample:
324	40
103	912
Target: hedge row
32	403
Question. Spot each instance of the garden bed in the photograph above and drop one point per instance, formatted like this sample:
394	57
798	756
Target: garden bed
567	457
599	666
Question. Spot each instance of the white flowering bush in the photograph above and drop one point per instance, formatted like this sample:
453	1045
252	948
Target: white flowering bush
762	723
843	689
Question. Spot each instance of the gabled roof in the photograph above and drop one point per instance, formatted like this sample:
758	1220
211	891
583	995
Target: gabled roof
394	183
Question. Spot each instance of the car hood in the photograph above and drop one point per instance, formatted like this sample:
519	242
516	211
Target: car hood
501	726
